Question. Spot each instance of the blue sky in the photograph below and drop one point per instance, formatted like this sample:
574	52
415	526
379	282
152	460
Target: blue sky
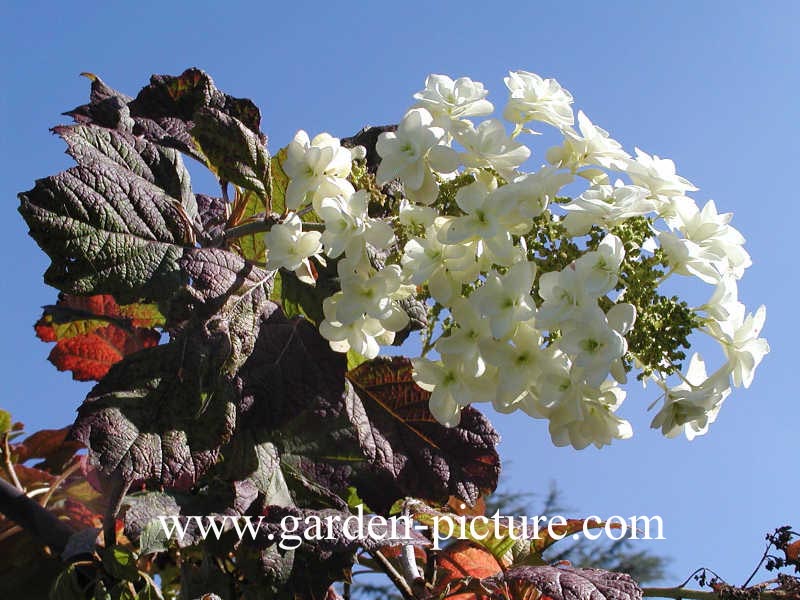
713	85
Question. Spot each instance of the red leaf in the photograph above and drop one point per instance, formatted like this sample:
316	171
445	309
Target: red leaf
90	356
793	551
460	561
49	445
94	332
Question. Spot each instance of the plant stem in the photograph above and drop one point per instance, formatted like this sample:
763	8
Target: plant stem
679	593
34	519
119	489
260	226
397	579
12	474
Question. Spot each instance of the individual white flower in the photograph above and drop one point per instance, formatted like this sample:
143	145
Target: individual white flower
481	223
347	225
565	297
738	336
309	163
621	318
519	362
658	175
412	153
443	267
606	206
416	216
449	100
364	335
685	257
488	146
527	197
592	147
289	247
506	299
584	415
711	231
692	405
371	295
536	99
451	388
593	345
464	340
724	302
600	268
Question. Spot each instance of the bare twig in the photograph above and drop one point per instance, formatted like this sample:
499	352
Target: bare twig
679	593
59	480
397	579
758	566
9	466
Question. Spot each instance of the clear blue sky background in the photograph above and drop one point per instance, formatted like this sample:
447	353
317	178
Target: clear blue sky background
713	85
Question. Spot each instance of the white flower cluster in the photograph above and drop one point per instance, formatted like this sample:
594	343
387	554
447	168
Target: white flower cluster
549	343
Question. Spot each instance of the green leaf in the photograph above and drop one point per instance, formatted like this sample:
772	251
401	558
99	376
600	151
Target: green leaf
299	298
150	591
354	359
120	563
500	540
66	586
235	153
153	539
247	207
5	421
280	181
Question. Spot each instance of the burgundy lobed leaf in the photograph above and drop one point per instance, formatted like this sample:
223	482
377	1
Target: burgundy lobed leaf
234	152
213	216
411	453
108	231
163	111
161	166
566	583
160	416
233	294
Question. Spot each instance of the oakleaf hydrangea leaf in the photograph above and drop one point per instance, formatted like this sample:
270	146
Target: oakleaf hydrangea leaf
163	111
233	293
213	217
158	416
94	332
108	231
233	152
157	164
292	385
411	453
567	583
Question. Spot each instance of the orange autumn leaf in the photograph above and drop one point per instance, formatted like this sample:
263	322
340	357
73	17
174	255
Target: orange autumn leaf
461	562
94	332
